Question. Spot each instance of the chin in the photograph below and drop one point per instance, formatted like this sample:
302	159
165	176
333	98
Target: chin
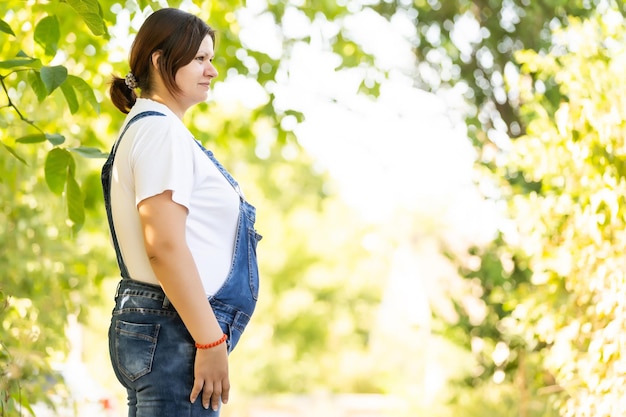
199	99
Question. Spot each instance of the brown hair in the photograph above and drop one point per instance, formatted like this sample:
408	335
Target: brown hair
173	32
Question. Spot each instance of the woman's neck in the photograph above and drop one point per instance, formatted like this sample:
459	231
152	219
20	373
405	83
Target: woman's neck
166	100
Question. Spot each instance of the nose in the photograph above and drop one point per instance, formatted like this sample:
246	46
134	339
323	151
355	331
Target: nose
210	70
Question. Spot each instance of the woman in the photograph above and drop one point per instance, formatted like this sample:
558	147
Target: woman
182	231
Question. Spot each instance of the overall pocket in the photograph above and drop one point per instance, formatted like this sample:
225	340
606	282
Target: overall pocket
134	348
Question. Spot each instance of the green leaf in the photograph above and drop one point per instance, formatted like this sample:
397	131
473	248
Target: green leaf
15	154
48	34
89	152
154	4
36	83
55	138
75	202
21	62
53	76
91	13
85	91
4	27
70	97
56	169
34	138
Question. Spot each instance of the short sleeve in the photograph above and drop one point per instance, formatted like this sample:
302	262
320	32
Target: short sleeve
162	159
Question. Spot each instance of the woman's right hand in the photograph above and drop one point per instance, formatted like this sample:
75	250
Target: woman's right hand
163	222
211	376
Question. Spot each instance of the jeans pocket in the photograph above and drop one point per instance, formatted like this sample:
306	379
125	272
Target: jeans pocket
134	348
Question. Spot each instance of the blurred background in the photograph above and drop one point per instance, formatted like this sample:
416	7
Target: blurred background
440	186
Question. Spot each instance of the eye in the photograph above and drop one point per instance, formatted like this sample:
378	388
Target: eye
204	58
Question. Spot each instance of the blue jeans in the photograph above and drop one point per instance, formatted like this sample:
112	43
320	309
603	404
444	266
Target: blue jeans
152	353
151	350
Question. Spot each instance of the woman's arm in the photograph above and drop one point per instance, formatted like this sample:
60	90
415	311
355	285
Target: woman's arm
163	223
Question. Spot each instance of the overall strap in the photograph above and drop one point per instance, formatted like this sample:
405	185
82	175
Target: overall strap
130	122
107	188
223	170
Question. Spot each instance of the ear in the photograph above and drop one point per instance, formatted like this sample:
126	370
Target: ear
156	55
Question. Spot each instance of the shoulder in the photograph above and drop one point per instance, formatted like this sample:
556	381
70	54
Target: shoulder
161	128
160	139
156	125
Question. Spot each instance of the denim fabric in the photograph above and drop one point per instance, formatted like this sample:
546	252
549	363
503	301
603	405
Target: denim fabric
151	350
152	353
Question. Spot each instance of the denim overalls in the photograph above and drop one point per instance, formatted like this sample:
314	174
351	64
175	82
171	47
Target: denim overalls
151	350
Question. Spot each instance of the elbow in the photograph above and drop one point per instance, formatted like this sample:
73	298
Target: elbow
159	251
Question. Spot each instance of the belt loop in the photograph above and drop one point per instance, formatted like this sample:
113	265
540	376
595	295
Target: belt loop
166	302
117	290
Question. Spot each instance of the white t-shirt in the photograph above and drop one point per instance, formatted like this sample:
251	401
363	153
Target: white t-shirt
157	154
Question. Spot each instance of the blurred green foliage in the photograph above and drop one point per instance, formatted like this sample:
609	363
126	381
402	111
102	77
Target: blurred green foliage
572	227
544	97
551	282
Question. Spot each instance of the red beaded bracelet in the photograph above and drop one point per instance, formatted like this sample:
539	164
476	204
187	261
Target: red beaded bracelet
210	345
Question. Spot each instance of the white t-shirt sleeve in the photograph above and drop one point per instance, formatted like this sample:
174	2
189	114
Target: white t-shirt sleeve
161	159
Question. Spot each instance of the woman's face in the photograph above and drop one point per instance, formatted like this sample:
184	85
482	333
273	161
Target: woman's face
194	79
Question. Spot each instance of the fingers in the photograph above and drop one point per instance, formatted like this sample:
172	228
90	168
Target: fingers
211	377
225	391
196	389
212	393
